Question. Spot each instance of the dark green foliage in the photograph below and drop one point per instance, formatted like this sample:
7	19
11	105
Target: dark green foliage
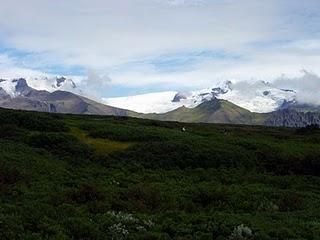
176	154
85	194
32	121
209	182
9	175
309	129
290	202
122	132
61	144
143	198
11	132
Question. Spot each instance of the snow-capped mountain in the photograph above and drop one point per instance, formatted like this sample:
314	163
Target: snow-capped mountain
13	87
24	97
257	97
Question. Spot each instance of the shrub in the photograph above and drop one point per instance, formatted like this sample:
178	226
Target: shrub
121	132
86	193
309	129
143	198
11	132
205	197
61	144
290	202
32	121
81	228
174	154
11	227
9	175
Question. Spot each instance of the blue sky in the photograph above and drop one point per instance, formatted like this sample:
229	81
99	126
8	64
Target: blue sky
155	45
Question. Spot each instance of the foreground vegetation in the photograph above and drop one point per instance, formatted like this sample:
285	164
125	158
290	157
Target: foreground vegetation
90	177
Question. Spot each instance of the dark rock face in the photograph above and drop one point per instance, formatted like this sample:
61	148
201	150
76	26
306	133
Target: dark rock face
52	108
300	107
22	87
266	93
179	96
73	84
60	80
287	104
21	83
4	94
217	91
288	90
292	118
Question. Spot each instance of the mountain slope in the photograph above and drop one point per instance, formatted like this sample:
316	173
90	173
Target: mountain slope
292	118
213	111
27	98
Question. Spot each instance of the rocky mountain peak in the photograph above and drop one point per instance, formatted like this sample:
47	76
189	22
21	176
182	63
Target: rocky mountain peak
21	83
179	96
60	80
63	82
22	87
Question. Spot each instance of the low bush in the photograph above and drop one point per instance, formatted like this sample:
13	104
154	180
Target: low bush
290	202
12	132
9	175
121	132
32	121
61	144
85	194
173	154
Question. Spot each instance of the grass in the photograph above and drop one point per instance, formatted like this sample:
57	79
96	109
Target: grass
101	146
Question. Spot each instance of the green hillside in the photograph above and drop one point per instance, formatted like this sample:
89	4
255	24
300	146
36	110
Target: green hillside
214	111
96	177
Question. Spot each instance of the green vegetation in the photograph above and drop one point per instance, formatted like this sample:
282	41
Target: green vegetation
213	111
93	177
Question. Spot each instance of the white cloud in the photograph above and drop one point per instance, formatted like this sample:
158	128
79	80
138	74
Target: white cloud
307	87
105	35
93	84
9	69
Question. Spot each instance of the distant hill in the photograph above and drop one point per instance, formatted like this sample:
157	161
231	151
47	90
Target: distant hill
213	111
222	111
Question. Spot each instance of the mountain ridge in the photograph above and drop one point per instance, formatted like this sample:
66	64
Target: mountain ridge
27	98
210	110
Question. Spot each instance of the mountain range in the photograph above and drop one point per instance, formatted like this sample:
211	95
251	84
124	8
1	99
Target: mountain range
261	97
266	105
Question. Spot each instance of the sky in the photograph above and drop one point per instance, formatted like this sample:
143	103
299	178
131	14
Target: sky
125	47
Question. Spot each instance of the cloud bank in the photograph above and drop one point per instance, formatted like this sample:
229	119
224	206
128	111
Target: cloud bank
307	87
143	44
